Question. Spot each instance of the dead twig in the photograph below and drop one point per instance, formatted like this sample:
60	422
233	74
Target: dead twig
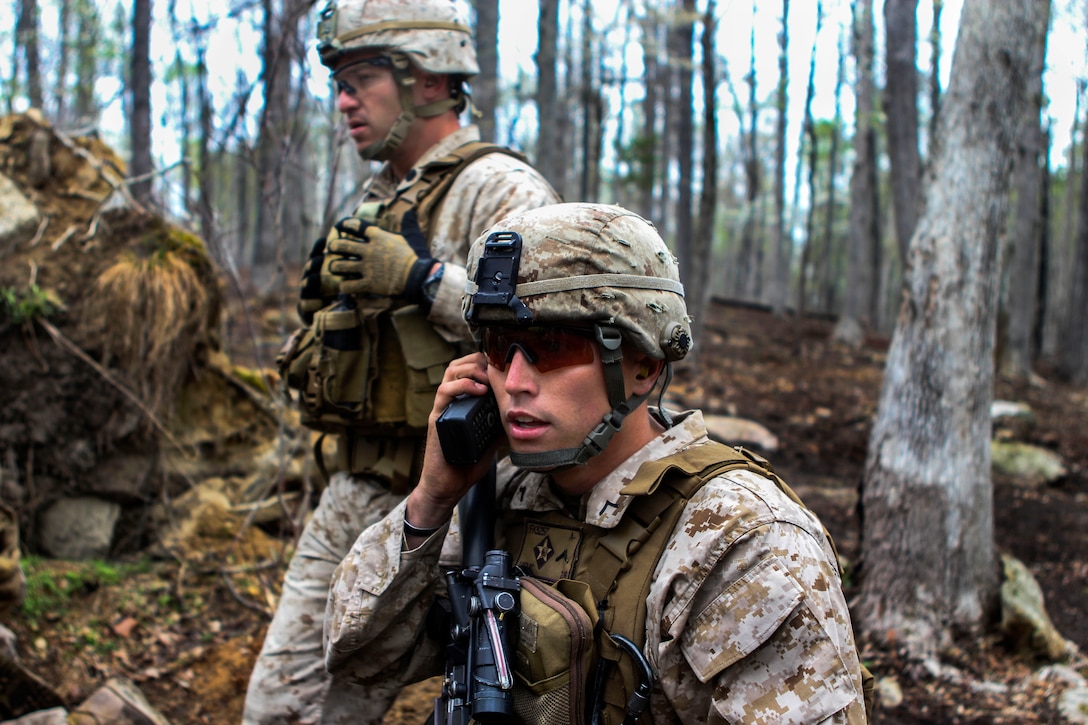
68	233
42	225
242	600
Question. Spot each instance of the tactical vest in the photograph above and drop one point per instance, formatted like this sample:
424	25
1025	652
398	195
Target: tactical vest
367	368
617	567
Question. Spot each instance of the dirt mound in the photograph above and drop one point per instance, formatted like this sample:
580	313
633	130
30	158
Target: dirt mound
112	316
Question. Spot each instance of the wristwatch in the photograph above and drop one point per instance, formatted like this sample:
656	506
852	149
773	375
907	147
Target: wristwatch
410	530
431	285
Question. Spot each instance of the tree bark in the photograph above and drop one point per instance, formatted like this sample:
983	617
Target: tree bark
747	278
85	110
646	157
28	39
929	566
1021	270
549	109
485	86
702	243
683	43
1073	358
859	299
901	112
778	279
139	89
829	278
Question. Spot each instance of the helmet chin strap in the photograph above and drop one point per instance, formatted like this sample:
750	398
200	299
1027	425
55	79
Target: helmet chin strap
595	442
402	73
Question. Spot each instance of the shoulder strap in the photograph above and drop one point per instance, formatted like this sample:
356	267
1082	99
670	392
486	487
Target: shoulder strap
434	181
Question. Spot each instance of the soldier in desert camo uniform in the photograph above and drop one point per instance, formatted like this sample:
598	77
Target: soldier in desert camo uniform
389	277
740	610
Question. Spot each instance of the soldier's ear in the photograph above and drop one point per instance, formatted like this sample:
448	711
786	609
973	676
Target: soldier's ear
646	371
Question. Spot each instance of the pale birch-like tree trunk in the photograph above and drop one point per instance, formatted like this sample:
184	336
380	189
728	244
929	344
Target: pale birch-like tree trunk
929	566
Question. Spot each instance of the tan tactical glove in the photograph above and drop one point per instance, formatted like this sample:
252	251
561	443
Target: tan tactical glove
371	261
318	288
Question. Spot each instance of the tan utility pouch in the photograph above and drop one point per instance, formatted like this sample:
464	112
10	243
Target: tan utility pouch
426	355
366	367
555	651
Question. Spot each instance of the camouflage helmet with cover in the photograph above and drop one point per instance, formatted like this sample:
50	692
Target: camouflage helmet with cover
588	265
432	35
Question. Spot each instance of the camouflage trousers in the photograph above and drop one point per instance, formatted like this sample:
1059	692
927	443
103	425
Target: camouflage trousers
289	683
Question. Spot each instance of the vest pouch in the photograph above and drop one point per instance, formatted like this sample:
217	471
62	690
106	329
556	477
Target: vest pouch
293	359
426	355
555	651
337	381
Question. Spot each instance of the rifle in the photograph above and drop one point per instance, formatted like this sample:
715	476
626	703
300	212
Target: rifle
483	619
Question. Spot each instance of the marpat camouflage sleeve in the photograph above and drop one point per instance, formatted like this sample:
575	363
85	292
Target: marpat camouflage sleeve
748	616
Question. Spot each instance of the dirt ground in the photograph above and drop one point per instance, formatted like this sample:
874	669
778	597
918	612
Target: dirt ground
186	629
196	631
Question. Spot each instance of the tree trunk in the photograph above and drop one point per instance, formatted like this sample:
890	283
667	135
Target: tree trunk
901	111
205	190
1063	248
684	46
589	186
778	279
646	157
276	147
139	89
549	108
64	42
1021	267
85	110
1073	360
749	267
829	279
935	53
702	244
808	138
859	298
485	86
28	38
929	565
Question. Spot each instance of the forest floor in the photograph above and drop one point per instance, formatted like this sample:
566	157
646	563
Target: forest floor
187	636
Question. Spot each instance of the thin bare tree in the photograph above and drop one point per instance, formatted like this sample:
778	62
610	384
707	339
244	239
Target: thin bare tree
139	91
862	260
901	116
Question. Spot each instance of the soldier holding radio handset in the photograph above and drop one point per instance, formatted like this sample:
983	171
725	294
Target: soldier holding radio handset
660	577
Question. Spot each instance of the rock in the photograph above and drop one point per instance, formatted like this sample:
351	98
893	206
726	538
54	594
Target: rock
1073	705
125	476
1011	420
888	692
739	431
52	716
79	528
120	702
1027	465
18	217
1024	620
